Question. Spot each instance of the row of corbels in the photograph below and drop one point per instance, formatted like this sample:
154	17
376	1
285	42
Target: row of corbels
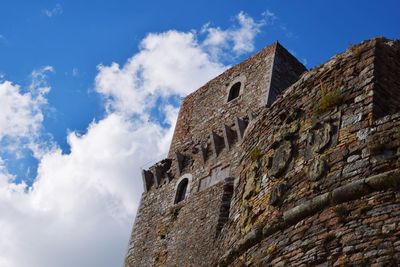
230	136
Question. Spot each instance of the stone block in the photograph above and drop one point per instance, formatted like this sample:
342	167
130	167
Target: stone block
277	194
148	180
317	169
281	158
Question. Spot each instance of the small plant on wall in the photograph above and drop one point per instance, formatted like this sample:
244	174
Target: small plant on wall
356	50
328	100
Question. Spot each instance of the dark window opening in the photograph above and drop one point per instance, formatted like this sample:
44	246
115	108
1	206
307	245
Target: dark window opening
234	91
181	191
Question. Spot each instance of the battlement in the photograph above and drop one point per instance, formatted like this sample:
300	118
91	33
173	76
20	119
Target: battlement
274	166
238	92
218	141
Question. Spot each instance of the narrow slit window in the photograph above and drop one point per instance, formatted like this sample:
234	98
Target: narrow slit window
181	190
234	91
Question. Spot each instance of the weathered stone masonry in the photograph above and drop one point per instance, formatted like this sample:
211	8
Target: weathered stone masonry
301	169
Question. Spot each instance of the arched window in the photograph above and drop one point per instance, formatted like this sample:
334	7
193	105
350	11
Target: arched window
234	91
181	190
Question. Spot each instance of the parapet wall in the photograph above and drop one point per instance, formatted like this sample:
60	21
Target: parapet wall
311	180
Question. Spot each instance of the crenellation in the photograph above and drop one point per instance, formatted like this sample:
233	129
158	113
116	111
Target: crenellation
148	179
230	136
217	143
240	126
160	171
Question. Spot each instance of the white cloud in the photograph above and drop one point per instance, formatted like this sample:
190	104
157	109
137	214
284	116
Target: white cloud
22	113
269	17
57	10
170	63
243	38
80	209
82	202
240	38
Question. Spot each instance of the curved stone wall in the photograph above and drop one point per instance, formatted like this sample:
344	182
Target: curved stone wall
319	177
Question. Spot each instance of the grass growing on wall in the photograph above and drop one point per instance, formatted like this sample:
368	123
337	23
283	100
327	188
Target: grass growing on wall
356	50
328	100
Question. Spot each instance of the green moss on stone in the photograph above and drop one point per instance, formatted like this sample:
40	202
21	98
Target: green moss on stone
255	154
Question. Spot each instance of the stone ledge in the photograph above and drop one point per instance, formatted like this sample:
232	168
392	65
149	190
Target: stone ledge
342	194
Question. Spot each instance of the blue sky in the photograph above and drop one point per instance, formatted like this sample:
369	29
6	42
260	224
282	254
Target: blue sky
89	91
77	37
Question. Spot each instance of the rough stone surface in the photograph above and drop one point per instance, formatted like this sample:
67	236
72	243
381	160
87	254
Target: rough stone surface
281	159
341	205
277	194
317	169
322	137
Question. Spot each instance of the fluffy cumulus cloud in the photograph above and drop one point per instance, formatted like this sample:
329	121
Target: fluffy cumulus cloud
22	115
170	63
79	210
238	39
21	112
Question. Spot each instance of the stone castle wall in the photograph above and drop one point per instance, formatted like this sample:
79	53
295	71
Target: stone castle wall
303	182
176	235
304	200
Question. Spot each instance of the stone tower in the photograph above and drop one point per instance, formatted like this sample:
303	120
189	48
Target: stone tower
274	165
